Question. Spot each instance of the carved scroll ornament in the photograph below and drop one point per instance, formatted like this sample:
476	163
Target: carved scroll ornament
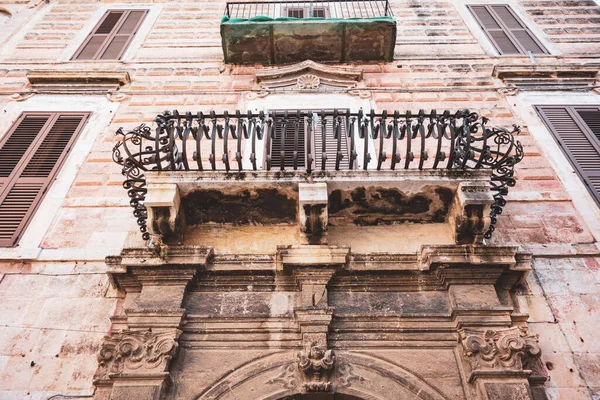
508	349
139	351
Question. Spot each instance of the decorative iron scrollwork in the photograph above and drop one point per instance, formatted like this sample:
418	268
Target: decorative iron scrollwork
424	140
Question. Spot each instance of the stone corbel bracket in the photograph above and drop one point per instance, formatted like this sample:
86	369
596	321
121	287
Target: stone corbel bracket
163	204
81	82
313	201
471	214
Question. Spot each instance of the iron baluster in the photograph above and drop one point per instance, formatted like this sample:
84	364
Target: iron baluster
225	140
409	135
421	130
395	137
253	128
323	140
337	133
270	135
309	126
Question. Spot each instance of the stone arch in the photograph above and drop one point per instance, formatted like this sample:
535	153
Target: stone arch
275	377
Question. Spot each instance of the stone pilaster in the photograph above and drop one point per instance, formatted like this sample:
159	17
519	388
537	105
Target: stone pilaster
134	361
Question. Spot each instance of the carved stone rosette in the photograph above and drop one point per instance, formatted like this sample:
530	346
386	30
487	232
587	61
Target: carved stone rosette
135	352
502	350
316	366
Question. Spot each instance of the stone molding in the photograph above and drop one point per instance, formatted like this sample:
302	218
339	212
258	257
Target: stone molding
80	82
307	75
547	76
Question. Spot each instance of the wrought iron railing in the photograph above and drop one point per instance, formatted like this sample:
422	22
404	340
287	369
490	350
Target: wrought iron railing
232	142
310	9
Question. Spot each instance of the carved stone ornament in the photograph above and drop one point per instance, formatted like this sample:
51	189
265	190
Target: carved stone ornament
346	375
508	349
508	91
116	97
135	352
308	81
20	96
308	75
286	377
316	366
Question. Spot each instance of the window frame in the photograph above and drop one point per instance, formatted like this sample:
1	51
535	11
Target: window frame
45	182
571	109
524	24
111	35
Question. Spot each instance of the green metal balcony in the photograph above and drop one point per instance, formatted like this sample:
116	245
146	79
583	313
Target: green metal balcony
275	32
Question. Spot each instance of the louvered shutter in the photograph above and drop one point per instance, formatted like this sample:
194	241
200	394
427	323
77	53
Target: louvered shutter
111	36
288	144
330	144
577	131
31	154
506	31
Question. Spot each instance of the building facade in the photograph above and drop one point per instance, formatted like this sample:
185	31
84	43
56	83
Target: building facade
300	200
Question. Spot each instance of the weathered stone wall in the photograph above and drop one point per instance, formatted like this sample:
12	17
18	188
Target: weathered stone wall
55	297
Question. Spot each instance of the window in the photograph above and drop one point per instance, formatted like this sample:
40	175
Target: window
312	12
295	12
577	131
31	154
110	38
506	31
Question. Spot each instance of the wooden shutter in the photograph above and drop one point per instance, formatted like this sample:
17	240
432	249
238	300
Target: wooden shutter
506	31
31	155
330	144
111	36
577	131
288	145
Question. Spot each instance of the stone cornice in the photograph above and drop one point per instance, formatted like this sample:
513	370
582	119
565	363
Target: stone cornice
81	82
547	76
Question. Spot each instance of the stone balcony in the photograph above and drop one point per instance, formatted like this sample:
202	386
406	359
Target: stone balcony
277	32
441	176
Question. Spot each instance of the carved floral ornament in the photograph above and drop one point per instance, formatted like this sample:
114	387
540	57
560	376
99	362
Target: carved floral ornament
509	349
141	351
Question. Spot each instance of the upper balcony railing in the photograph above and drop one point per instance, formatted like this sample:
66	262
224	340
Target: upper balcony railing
310	9
326	141
279	32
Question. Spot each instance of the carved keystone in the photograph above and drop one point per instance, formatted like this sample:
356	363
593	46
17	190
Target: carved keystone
163	203
316	365
312	198
472	212
315	361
